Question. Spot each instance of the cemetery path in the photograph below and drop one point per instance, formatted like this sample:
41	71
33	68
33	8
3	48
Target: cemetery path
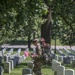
25	46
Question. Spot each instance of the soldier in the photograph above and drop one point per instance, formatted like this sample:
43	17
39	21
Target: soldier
37	58
46	52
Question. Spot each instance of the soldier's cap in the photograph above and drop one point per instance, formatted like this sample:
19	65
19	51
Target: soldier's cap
42	40
35	40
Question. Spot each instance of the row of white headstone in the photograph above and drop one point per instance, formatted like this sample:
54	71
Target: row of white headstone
67	59
66	51
10	64
8	55
2	52
60	69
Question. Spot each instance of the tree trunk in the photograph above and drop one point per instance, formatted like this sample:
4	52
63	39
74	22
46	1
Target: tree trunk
46	28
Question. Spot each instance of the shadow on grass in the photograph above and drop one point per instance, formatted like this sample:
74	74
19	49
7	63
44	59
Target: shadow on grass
17	42
1	64
69	66
46	66
21	65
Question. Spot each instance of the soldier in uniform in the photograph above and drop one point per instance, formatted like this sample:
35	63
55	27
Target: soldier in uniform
46	52
37	58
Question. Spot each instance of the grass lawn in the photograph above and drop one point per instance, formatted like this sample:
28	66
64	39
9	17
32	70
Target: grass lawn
46	70
58	43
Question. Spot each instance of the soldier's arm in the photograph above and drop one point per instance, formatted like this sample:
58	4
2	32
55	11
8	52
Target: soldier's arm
33	55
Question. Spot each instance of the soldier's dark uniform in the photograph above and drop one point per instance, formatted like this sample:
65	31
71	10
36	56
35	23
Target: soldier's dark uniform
47	55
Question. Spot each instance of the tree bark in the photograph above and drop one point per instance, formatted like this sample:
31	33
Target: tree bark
46	28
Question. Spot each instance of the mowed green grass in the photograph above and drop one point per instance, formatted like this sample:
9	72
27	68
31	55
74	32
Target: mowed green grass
46	70
58	43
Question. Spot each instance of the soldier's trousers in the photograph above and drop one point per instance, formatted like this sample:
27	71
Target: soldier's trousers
37	67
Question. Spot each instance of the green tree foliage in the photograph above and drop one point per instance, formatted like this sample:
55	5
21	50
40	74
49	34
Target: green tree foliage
63	19
20	18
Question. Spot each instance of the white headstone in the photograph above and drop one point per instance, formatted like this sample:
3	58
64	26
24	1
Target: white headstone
60	58
23	56
60	70
20	59
72	58
26	71
12	64
1	70
56	57
53	62
56	65
7	67
69	72
73	63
